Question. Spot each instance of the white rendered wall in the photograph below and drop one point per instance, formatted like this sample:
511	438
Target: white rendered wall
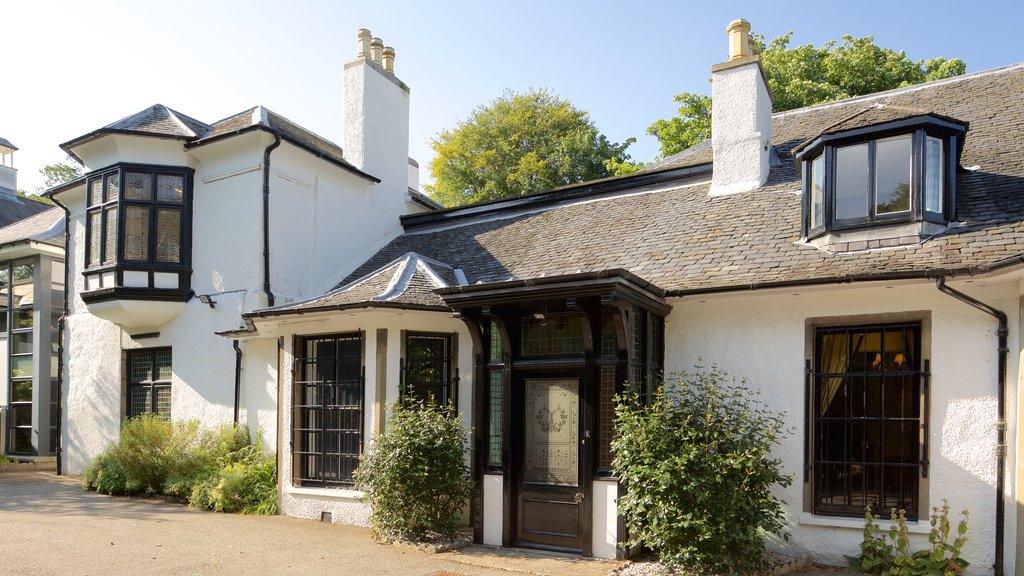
494	506
605	518
762	337
344	505
741	128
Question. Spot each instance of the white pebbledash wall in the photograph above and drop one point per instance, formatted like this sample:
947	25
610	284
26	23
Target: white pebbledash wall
764	337
344	505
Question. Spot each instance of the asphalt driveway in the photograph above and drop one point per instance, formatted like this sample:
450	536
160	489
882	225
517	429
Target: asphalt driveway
48	525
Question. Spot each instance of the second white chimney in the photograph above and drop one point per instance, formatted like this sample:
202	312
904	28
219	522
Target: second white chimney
741	117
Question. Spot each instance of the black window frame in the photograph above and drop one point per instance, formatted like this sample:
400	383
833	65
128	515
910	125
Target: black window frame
329	465
447	362
119	264
919	129
153	382
818	423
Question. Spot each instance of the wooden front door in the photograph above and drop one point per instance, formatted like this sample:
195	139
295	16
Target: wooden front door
549	495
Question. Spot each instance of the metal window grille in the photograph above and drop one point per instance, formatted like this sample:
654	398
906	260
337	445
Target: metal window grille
867	416
328	410
149	382
427	369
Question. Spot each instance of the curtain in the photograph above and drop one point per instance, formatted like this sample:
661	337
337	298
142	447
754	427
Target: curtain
834	360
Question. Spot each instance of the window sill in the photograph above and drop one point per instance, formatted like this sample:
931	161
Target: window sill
807	519
330	493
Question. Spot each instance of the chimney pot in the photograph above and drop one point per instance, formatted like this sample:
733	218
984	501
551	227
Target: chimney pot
739	39
363	43
388	56
376	47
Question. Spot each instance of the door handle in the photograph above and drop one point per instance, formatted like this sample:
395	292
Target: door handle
578	498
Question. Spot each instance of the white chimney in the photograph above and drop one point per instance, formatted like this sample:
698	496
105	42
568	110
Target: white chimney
8	173
376	132
741	117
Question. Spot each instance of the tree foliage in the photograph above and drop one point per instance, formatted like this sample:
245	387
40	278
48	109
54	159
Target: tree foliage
59	173
805	75
518	144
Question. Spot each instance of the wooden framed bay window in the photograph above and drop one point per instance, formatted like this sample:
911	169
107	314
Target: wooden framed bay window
138	228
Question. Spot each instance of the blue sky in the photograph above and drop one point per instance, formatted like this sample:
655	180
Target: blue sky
71	67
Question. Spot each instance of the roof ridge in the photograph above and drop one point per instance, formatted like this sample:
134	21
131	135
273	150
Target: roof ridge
902	90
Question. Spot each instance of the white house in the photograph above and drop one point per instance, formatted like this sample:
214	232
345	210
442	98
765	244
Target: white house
858	262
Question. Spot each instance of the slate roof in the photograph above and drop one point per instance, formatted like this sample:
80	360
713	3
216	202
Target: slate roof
14	208
683	240
163	122
46	227
7	144
407	282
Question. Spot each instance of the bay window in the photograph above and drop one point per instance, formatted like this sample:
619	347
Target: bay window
138	225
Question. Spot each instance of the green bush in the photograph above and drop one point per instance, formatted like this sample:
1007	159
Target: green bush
891	555
698	471
218	469
206	458
245	482
152	449
105	474
415	477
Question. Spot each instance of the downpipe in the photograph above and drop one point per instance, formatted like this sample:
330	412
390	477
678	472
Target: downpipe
238	378
1003	349
61	323
266	218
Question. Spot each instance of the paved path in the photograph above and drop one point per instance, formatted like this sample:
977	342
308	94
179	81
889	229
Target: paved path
48	525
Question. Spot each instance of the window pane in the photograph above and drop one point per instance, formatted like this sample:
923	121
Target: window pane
21	366
933	180
139	400
136	232
111	188
21	343
495	349
138	186
170	188
852	182
94	238
494	420
95	191
22	318
892	175
110	242
817	190
555	336
163	365
21	391
162	404
427	377
168	235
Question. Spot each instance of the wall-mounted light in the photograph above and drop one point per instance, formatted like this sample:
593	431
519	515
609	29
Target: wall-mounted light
205	299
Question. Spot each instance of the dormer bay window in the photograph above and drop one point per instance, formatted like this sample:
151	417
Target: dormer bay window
138	225
880	177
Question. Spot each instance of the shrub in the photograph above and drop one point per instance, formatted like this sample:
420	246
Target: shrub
415	477
152	449
697	467
891	555
106	475
218	469
206	458
245	482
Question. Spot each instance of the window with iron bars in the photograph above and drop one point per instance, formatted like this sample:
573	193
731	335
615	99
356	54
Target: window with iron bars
867	410
427	369
327	431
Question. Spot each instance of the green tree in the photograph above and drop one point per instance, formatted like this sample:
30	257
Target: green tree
59	173
518	144
804	76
